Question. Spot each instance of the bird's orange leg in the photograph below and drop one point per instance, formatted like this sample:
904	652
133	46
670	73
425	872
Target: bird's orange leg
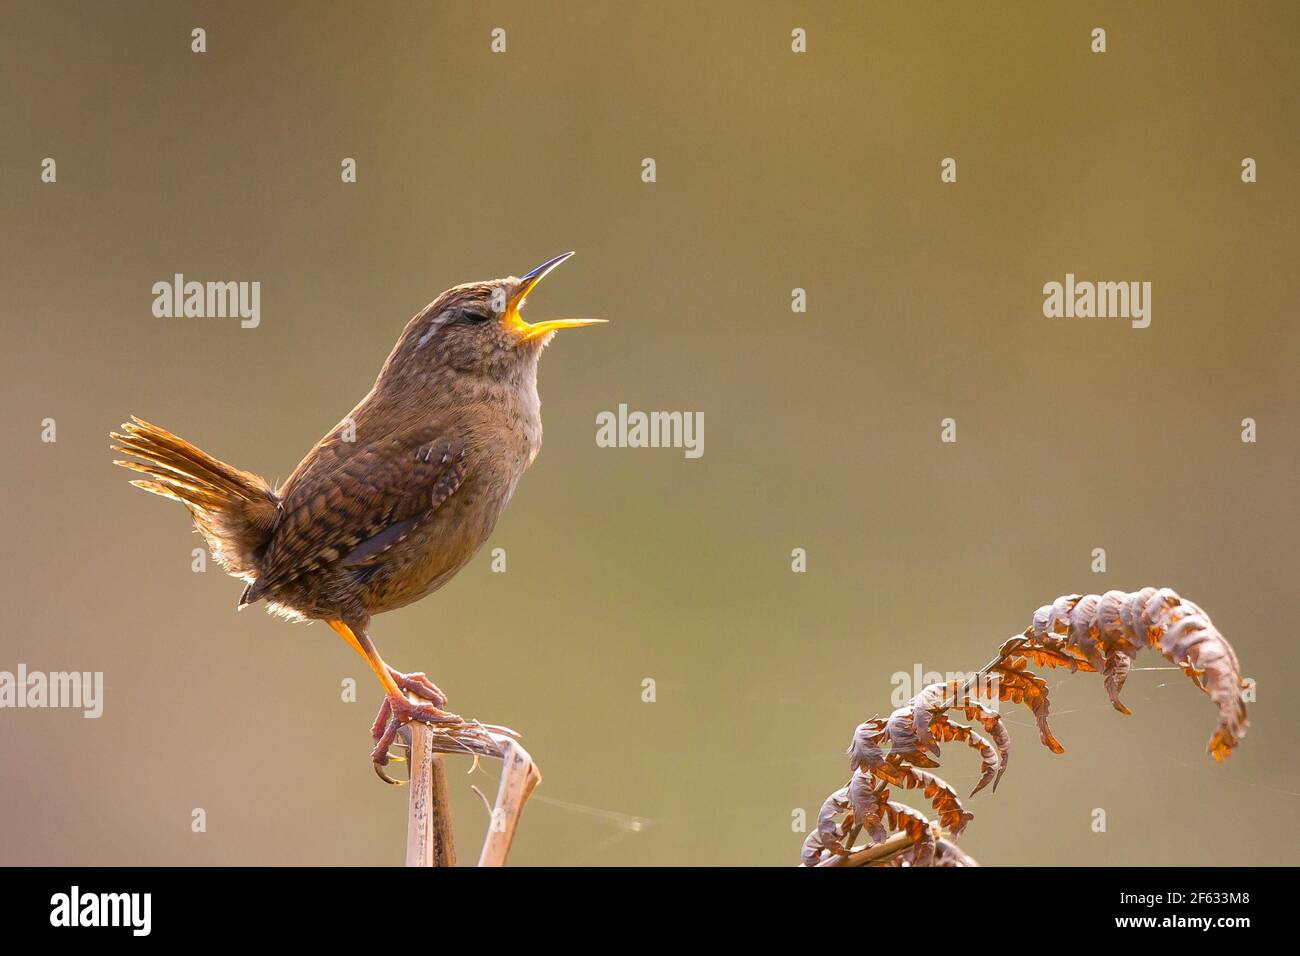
397	708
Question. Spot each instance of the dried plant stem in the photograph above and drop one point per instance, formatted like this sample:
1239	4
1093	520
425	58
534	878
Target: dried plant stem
429	837
876	853
519	777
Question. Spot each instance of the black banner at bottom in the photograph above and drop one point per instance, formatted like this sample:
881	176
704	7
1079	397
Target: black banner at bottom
332	905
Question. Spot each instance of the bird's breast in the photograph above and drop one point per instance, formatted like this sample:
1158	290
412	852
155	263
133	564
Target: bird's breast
498	453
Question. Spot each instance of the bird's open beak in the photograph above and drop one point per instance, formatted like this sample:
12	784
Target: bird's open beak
526	285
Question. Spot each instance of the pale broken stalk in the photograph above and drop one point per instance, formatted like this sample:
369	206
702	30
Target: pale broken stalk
429	839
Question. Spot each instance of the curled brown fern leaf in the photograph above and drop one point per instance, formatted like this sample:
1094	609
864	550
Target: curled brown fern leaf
1104	632
1098	633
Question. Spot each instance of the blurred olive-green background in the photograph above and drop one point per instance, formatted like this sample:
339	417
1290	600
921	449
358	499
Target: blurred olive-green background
775	171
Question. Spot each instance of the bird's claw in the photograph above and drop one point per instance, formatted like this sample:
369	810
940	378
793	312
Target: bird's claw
394	715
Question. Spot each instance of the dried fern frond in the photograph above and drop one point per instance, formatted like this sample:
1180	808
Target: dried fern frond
1105	632
1097	633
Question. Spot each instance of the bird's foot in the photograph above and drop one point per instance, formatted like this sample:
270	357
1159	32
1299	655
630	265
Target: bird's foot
418	684
397	712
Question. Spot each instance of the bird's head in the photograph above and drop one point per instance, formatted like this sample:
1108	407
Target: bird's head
478	328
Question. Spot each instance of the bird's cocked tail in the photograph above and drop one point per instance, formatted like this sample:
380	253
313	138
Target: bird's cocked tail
234	510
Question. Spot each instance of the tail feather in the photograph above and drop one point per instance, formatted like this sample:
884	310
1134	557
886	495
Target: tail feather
154	487
148	441
172	484
236	511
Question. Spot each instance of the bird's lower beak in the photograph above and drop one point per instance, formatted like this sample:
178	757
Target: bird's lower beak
554	325
526	285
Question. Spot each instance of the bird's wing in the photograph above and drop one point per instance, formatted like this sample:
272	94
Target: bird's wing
354	502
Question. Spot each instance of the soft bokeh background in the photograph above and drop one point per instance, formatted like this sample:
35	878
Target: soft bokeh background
822	430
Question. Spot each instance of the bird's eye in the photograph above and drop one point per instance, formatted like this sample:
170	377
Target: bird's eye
473	316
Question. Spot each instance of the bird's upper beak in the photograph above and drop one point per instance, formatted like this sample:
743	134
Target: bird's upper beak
526	285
